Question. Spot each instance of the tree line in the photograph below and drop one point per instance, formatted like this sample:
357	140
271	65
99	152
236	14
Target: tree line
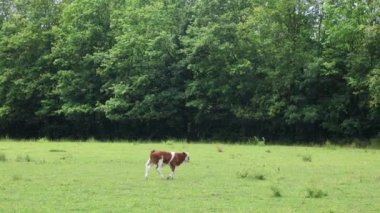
216	69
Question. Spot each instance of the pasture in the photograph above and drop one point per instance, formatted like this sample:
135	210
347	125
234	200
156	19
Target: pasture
43	176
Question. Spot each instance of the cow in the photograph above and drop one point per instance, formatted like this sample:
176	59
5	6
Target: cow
161	158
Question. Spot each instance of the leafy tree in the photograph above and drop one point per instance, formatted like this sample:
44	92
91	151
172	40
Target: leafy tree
144	80
82	36
220	66
347	63
300	69
25	42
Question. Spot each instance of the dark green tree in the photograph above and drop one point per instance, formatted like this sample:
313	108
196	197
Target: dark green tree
25	71
81	37
348	60
144	78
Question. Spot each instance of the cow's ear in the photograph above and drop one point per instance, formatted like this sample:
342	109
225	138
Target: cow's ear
184	153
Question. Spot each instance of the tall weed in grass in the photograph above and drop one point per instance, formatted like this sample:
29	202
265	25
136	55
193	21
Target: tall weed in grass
306	158
257	141
276	192
57	150
243	174
329	145
219	148
25	158
16	177
43	140
3	158
315	193
259	177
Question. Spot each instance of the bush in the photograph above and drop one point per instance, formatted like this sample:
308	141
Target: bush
375	143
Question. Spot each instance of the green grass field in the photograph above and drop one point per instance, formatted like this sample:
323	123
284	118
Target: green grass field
109	177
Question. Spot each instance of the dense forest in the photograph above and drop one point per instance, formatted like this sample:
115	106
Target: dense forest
193	69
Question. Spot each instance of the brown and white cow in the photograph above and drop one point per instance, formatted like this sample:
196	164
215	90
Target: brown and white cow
160	158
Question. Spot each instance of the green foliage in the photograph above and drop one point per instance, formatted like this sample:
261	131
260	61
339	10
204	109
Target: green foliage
299	70
374	87
142	79
375	142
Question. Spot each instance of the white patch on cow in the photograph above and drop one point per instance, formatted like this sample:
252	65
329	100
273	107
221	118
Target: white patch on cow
187	158
173	155
147	167
159	166
171	175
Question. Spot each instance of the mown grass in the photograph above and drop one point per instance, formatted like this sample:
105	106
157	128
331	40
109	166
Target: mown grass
109	177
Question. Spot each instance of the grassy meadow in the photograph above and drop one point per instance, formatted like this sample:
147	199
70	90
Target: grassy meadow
43	176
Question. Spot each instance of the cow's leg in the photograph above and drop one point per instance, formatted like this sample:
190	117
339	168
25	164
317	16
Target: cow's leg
159	166
171	175
147	167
